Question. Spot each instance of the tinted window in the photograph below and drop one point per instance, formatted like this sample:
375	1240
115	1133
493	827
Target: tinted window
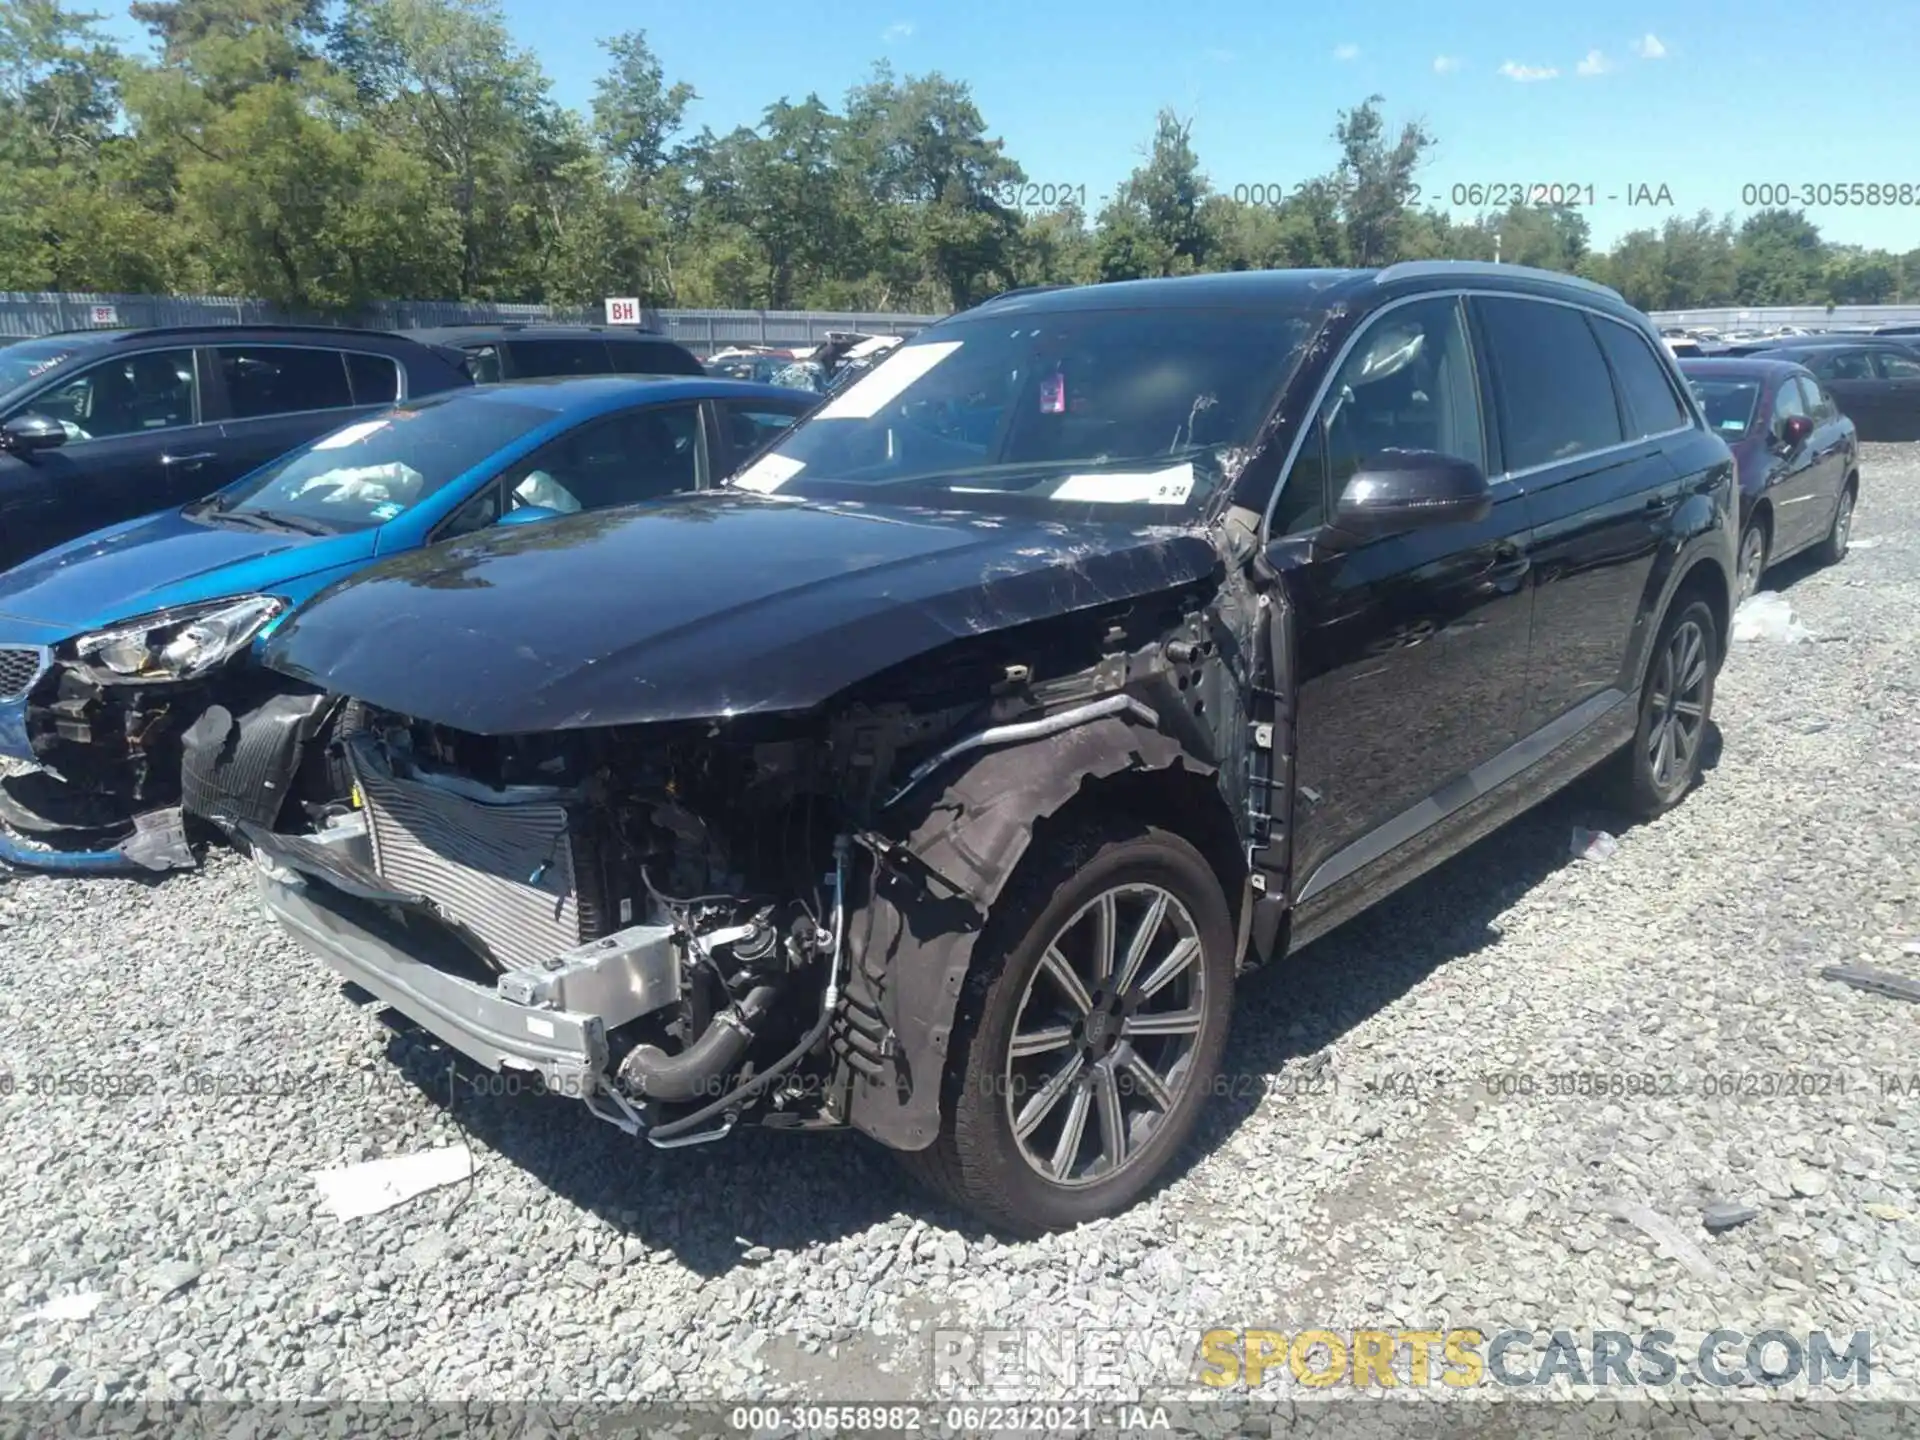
31	359
375	378
1840	364
127	395
1643	380
366	473
749	425
1407	384
1819	404
1555	394
1077	406
1788	401
277	379
484	362
637	455
1895	367
1728	404
533	358
652	357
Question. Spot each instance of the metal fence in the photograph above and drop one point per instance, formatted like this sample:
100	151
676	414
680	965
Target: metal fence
1809	317
702	331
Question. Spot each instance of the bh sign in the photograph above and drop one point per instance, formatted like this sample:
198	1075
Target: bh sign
624	311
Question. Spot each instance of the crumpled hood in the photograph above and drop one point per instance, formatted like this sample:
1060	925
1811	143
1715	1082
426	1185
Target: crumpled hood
161	561
710	605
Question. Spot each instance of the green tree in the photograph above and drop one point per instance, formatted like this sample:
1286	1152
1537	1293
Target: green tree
636	113
1778	259
1374	180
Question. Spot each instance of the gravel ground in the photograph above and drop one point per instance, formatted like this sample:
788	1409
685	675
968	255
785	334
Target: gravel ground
1399	1145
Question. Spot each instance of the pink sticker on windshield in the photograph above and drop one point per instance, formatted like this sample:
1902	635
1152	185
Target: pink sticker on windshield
1053	394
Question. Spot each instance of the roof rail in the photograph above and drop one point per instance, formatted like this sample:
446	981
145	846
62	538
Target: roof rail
1418	269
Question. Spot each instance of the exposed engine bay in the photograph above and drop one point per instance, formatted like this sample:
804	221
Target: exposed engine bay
723	898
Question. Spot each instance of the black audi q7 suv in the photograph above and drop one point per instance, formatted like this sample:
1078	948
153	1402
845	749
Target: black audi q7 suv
936	777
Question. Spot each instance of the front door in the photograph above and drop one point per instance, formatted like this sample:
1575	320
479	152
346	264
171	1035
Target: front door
1410	652
133	422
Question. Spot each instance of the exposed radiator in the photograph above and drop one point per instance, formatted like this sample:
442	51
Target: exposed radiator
477	861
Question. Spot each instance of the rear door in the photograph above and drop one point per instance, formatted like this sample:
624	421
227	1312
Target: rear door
1900	396
1847	374
1599	485
1410	652
137	443
1832	452
274	397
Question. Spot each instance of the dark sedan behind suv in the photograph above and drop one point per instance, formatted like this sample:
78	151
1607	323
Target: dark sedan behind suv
101	426
937	776
539	352
1798	459
1875	382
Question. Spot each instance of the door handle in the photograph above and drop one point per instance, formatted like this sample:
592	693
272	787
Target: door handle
1662	506
191	462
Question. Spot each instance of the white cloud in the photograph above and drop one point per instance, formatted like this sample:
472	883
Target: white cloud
1524	73
899	30
1445	64
1595	64
1648	47
1346	52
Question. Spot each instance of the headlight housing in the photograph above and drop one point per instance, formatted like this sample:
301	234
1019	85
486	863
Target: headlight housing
175	644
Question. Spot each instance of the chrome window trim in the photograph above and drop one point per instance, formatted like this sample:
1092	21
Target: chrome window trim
46	664
341	350
1495	482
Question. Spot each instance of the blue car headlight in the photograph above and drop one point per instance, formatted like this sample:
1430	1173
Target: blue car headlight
175	644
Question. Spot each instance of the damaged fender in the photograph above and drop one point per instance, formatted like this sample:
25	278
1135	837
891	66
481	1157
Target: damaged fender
935	880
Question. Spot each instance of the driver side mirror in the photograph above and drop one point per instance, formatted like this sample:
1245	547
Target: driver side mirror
27	433
1399	490
1794	431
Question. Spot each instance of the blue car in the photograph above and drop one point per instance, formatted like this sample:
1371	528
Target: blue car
126	674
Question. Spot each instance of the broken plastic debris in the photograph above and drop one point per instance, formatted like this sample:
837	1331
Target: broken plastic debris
1866	544
159	841
1768	616
68	1307
354	1191
1879	982
1664	1233
1593	844
1726	1214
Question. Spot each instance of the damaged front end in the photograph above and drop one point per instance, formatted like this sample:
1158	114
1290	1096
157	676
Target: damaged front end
690	923
131	731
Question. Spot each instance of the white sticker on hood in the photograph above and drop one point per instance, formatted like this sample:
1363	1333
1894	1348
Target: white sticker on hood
1170	486
863	399
768	473
350	435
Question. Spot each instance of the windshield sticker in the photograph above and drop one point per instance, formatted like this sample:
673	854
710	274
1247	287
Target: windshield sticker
386	511
1170	486
350	435
768	473
886	381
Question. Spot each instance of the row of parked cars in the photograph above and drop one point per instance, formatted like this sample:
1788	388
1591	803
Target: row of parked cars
1874	377
928	758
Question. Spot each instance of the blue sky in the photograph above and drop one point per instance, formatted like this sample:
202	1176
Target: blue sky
1618	95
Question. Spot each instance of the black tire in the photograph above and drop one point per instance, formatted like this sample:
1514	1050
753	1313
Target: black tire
1651	780
1755	547
980	1160
1833	549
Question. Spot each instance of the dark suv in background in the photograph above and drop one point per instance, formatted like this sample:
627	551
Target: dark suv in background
532	352
101	426
1119	636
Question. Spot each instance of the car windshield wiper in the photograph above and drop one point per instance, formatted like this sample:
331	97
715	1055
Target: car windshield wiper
301	524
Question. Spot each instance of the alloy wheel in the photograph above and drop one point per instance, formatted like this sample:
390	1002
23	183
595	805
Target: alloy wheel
1102	1045
1843	523
1678	715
